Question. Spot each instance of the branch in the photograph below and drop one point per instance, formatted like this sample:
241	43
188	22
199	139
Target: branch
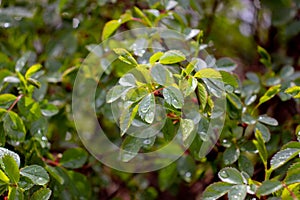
15	102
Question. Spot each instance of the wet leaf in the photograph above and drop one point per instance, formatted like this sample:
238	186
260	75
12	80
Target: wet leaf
37	174
42	194
231	155
161	75
268	120
74	158
216	190
186	127
146	108
261	147
283	156
130	148
269	187
237	192
167	176
173	96
231	175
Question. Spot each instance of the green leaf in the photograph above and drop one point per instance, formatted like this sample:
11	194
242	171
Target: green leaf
25	183
125	56
14	126
283	156
226	64
130	148
6	100
4	152
161	75
29	108
250	99
22	61
128	80
268	120
234	100
208	73
252	77
11	168
196	64
32	70
3	177
216	190
167	176
186	168
55	174
261	147
143	16
109	28
173	96
49	110
126	118
265	57
34	82
269	187
265	132
15	193
202	95
270	93
231	155
293	174
146	108
41	194
246	165
172	57
186	127
286	72
231	175
74	158
188	86
229	79
135	94
79	185
116	92
237	192
37	174
155	57
294	91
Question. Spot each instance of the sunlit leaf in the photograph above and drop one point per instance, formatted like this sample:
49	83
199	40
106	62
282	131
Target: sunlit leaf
171	57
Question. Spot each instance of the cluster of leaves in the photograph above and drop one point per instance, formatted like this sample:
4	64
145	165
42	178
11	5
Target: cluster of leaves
245	136
255	156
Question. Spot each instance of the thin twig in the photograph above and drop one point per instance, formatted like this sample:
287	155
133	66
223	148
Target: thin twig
15	102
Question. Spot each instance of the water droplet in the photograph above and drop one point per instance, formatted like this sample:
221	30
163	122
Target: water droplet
6	25
188	174
147	141
75	22
44	138
224	174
